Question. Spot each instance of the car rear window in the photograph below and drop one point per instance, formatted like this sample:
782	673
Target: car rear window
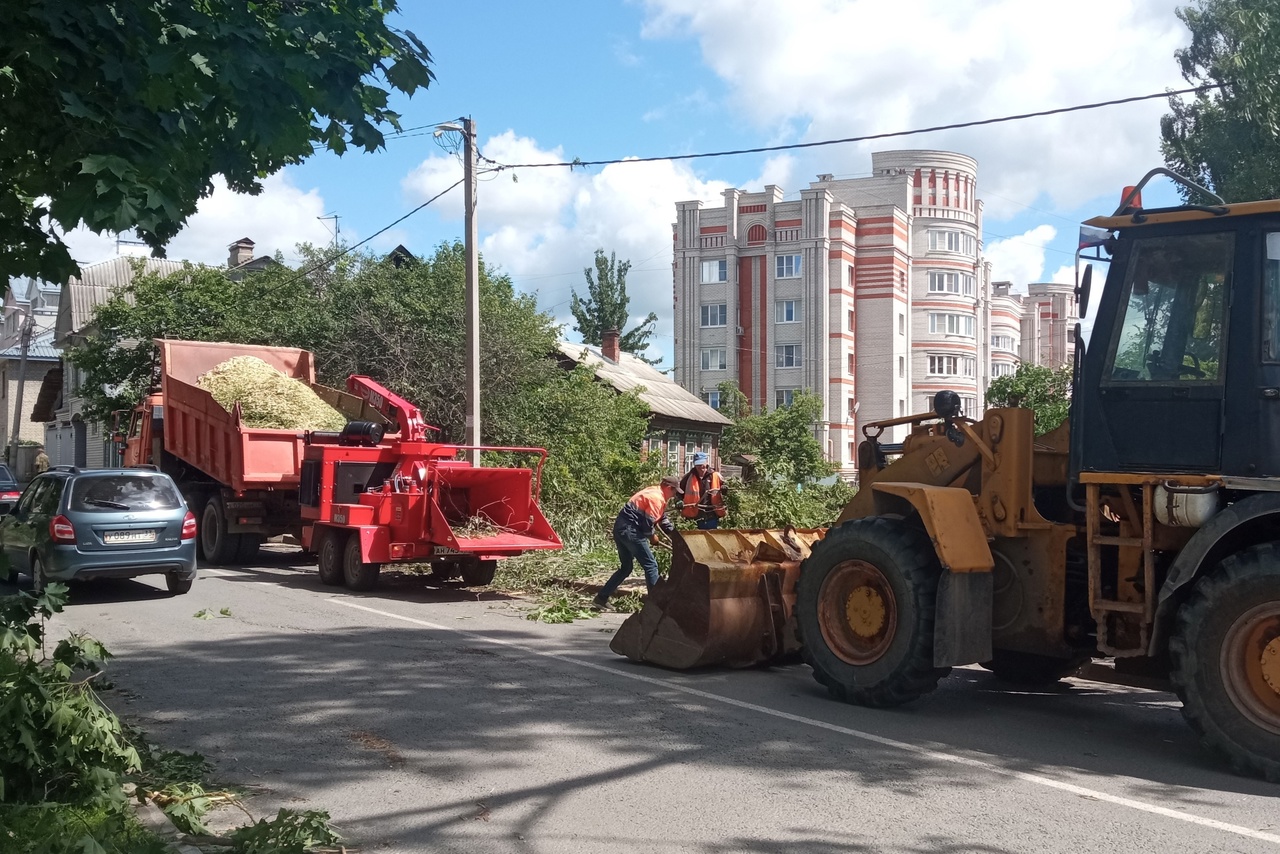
124	492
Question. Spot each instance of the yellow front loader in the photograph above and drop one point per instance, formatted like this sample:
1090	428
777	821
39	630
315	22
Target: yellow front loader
1146	529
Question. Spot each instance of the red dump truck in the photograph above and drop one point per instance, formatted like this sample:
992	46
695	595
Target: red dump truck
376	492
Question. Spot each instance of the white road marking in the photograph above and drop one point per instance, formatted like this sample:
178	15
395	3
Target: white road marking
937	755
204	570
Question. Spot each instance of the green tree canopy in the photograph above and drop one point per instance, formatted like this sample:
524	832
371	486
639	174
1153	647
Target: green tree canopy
1045	391
605	307
782	438
118	113
1228	139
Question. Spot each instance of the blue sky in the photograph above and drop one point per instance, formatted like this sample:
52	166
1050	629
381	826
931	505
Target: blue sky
613	79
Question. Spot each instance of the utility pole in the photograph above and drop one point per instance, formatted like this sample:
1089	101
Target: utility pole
16	426
473	290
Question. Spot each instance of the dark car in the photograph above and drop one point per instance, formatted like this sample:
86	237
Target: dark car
9	490
75	524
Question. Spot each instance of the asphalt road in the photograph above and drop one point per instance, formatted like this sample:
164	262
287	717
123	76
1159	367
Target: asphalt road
441	720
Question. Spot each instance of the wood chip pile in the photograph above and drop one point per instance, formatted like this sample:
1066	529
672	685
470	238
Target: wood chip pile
267	397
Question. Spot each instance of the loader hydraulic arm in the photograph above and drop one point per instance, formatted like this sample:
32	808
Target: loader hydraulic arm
407	416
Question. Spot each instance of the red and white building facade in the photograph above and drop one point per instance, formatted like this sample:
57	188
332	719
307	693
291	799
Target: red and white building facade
871	291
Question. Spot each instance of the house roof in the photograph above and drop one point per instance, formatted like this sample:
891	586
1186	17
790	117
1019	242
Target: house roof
41	348
656	389
80	296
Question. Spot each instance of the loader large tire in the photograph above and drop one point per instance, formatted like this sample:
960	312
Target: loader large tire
1225	652
865	612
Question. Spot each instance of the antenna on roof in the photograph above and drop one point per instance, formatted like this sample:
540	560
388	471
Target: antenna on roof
336	229
122	242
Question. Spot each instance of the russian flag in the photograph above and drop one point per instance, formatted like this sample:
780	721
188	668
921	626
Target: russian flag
1090	236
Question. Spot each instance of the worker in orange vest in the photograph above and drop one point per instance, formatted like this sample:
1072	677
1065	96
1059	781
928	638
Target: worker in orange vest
632	529
703	494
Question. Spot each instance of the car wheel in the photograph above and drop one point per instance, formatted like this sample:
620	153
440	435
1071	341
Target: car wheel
178	584
359	576
38	579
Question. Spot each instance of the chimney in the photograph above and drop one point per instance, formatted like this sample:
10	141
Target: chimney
241	252
609	345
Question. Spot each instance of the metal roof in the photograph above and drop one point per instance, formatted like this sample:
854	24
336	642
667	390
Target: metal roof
80	296
656	389
40	348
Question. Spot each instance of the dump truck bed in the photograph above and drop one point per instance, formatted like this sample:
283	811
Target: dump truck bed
201	433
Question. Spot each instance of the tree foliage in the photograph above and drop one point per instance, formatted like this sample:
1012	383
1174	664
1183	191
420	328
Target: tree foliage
402	326
1228	139
1045	391
117	114
781	438
605	307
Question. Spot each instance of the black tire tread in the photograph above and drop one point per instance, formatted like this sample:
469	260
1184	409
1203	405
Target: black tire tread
359	576
916	676
1260	561
336	576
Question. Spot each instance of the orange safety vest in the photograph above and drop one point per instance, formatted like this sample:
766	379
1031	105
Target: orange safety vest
693	495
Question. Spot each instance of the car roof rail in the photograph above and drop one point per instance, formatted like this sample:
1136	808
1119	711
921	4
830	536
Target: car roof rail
71	469
145	466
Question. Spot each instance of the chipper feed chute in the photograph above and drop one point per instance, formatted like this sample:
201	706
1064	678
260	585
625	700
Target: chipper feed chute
727	600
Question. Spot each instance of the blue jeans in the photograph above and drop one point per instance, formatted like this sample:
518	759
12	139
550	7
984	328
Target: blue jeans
630	551
708	523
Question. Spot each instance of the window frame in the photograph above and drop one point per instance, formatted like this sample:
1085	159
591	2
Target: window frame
784	352
705	315
778	310
706	357
788	266
722	272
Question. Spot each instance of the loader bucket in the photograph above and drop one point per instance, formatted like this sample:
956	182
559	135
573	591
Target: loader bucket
727	600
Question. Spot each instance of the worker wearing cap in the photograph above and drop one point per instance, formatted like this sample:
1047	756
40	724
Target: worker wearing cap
702	491
635	524
41	464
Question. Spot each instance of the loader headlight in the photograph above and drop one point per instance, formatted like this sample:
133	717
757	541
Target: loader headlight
946	404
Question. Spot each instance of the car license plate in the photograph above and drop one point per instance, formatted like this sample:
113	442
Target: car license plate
445	550
113	537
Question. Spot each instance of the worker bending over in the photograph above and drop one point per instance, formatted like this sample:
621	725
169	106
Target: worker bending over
635	525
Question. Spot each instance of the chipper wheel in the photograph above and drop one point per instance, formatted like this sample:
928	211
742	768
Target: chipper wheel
330	546
1226	660
865	612
359	576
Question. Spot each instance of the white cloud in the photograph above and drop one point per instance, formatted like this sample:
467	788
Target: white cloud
1020	259
543	227
281	217
842	68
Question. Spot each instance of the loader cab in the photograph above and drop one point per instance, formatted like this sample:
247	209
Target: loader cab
1182	370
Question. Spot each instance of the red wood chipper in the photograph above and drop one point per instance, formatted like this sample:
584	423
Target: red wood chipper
379	492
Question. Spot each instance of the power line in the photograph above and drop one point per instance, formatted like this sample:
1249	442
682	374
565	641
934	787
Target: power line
868	137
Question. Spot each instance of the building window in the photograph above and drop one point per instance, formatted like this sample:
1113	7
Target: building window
1004	342
951	324
948	282
853	408
902	408
902	324
853	364
711	398
1002	369
968	366
673	454
715	271
786	311
944	366
852	322
949	240
786	356
788	267
969	406
782	397
715	314
853	451
902	366
714	359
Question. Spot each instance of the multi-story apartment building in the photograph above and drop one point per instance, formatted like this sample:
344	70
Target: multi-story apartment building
871	292
866	291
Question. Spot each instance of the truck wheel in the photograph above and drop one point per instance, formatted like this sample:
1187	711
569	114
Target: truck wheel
330	551
1028	668
1225	652
865	612
360	576
218	545
247	552
478	573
